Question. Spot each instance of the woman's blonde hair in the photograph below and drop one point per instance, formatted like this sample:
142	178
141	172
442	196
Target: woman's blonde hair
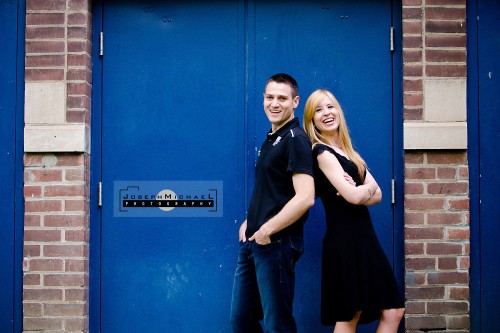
344	139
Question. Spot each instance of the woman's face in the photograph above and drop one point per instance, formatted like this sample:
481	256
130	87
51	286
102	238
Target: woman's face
326	117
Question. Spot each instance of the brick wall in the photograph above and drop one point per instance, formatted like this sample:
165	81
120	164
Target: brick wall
56	191
436	181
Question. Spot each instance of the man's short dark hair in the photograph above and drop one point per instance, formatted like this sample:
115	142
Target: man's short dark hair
287	79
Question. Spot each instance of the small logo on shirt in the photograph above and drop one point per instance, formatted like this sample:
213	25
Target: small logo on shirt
278	139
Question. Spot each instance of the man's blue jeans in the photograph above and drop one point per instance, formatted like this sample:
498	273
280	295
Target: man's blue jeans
264	285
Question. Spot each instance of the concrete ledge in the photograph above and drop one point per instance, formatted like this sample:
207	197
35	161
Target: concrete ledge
56	138
435	135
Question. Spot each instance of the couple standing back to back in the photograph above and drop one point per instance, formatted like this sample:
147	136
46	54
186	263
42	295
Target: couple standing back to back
357	280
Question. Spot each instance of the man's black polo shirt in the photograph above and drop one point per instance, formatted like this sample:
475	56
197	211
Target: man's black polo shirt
282	154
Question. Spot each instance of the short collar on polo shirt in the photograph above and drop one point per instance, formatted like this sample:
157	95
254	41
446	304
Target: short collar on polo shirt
281	131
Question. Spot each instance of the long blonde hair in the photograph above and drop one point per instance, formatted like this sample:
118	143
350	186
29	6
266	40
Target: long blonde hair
344	139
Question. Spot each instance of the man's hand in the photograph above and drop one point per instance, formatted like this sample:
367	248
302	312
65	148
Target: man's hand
261	237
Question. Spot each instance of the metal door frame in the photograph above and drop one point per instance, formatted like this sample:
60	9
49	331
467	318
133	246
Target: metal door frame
11	303
96	158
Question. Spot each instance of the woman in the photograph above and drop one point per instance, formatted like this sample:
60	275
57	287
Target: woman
358	285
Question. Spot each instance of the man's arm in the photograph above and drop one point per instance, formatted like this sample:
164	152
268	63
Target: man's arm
303	199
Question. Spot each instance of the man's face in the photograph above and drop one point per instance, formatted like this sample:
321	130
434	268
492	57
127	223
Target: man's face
279	104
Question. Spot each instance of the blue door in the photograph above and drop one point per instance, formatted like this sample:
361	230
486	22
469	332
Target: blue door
484	159
181	122
10	168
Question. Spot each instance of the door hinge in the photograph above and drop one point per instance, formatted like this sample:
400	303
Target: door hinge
99	194
392	38
101	43
393	191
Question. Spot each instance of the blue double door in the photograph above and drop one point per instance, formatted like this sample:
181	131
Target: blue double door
181	119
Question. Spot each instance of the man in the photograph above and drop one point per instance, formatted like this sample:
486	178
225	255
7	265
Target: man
271	239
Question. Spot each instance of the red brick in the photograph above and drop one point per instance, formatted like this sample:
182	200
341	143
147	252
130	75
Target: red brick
32	220
447	307
444	13
32	309
414	158
411	56
420	173
65	310
65	280
65	250
448	278
43	206
32	191
446	173
412	42
459	293
458	234
65	221
76	236
414	248
79	60
31	250
447	263
447	158
445	55
31	280
413	278
413	85
45	176
42	294
412	13
79	205
77	266
42	236
78	32
44	74
414	188
70	160
414	218
415	307
426	323
413	99
445	27
447	40
79	19
77	117
76	324
446	70
447	218
64	191
459	322
35	32
79	4
424	203
424	292
48	265
444	249
413	70
53	5
79	89
409	3
459	204
412	114
45	61
79	295
412	27
33	160
464	263
424	233
78	75
42	324
45	19
420	264
448	188
78	102
45	47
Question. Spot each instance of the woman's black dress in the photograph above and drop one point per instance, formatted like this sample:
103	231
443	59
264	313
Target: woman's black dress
356	275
